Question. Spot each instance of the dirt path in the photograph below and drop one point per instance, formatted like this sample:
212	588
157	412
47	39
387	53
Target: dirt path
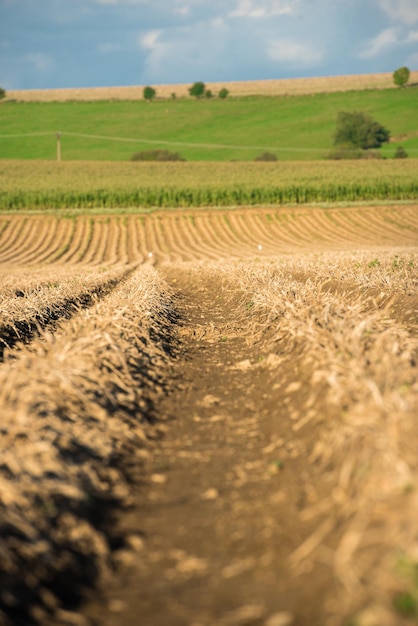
218	516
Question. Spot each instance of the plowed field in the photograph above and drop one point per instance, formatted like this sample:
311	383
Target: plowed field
209	417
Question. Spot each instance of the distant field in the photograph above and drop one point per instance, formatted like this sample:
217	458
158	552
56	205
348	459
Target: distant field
274	87
39	185
294	127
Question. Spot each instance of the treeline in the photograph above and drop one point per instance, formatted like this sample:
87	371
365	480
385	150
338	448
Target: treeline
197	90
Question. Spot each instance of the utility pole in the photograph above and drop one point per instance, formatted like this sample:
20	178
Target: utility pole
58	135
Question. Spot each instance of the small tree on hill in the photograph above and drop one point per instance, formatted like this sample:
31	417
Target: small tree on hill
156	155
266	156
358	130
149	93
400	153
401	76
2	93
224	93
197	89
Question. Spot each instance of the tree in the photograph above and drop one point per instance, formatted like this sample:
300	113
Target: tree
266	156
208	94
157	155
224	93
401	76
197	89
2	93
400	153
149	93
358	130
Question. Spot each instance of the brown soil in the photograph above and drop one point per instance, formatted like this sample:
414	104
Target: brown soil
222	538
218	515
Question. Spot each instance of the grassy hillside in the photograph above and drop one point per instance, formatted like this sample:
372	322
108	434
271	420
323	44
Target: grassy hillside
294	127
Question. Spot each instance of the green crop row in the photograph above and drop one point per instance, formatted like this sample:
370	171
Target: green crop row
195	197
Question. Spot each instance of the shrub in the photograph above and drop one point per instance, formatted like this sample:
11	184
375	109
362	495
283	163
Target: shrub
401	76
224	93
156	155
197	89
341	153
345	152
149	93
2	93
266	156
400	153
208	94
359	130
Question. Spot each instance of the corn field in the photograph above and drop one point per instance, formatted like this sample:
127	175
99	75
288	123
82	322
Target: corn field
41	185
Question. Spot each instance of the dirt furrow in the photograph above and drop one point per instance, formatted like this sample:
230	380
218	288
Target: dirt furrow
218	514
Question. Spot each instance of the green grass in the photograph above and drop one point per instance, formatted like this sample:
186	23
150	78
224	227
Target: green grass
294	127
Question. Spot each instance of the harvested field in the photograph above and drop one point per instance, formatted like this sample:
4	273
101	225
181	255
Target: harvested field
274	87
211	418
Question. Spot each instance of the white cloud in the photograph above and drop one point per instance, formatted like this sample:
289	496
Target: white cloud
123	2
294	53
42	62
218	22
253	8
108	48
375	46
405	11
387	40
183	10
412	36
412	60
150	39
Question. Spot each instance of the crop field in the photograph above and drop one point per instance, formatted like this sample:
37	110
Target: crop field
278	87
208	416
37	185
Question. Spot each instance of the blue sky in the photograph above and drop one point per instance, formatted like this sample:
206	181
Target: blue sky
88	43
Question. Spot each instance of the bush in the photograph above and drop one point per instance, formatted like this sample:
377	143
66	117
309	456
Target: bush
224	93
266	156
347	152
156	155
2	93
342	153
400	153
208	94
197	89
401	76
359	130
149	93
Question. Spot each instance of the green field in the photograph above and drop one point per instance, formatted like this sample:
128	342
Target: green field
39	185
293	127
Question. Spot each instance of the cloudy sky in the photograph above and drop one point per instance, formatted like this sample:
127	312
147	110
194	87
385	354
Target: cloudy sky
86	43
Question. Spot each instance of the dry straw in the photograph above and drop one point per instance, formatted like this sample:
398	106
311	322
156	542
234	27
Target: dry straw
346	363
77	408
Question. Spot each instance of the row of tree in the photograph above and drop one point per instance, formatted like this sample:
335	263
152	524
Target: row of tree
197	90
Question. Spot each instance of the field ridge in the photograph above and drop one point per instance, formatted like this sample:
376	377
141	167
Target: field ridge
269	87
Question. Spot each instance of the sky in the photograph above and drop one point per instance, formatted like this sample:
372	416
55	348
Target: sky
47	44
